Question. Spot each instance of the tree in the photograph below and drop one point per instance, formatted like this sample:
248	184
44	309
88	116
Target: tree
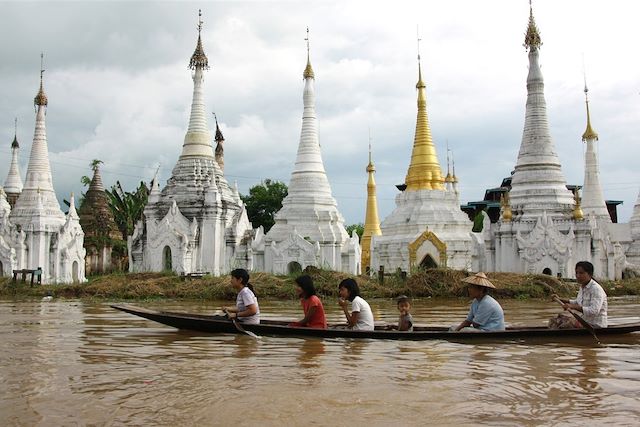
359	228
263	201
127	207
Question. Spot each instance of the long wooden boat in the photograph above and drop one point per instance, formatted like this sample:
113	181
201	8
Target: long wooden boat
220	324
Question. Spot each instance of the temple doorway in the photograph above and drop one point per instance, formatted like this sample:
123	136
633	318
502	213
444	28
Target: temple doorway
74	272
294	267
166	259
428	262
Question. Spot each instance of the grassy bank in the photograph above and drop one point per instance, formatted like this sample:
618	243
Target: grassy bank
430	283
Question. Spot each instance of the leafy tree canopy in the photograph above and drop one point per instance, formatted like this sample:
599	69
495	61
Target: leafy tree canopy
359	228
127	207
263	201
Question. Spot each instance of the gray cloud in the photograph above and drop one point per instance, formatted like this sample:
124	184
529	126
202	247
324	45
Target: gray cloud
120	90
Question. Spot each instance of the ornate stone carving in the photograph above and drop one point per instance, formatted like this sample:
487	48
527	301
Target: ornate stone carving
428	236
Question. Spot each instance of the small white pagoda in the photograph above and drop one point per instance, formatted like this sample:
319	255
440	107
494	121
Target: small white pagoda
309	230
36	230
13	183
197	223
427	227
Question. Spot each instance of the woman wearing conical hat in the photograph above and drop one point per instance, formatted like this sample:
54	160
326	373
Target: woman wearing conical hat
485	313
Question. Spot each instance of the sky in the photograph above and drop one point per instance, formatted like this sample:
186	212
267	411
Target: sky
119	89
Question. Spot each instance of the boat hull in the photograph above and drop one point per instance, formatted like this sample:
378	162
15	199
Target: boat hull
219	324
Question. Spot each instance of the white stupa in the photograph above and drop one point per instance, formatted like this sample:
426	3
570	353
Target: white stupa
427	227
309	230
43	237
13	183
197	223
593	203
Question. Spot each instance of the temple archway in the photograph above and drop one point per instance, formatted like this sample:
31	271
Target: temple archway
428	244
294	267
167	265
547	271
74	272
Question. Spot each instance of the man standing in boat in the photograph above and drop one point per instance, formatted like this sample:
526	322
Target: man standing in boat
485	313
591	300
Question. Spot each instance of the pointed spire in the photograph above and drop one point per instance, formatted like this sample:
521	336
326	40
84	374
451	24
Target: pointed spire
308	71
424	170
96	181
199	59
538	184
38	193
15	144
73	214
372	221
448	179
41	97
219	137
532	38
197	141
589	133
13	183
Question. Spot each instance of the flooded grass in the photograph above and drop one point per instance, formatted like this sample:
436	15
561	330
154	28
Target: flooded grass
435	283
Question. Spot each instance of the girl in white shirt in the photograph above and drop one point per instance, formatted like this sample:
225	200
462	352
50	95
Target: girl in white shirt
246	309
361	317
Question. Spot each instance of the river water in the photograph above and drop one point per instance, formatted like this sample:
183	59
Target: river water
76	363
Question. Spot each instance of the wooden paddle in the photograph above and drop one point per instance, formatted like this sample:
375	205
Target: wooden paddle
580	319
240	328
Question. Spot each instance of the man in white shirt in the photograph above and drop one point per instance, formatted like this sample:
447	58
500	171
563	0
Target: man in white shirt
591	300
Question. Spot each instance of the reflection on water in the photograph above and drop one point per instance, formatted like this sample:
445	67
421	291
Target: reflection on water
70	363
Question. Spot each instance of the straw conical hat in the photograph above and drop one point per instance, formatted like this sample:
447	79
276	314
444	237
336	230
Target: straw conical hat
479	279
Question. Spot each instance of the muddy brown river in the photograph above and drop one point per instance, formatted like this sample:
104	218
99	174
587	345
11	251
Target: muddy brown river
75	363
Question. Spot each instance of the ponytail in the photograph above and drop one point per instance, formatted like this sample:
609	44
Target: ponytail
243	275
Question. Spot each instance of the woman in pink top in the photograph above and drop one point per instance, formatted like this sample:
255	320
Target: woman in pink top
311	305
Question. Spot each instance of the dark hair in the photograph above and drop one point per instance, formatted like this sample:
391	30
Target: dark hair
243	275
306	284
402	299
351	286
586	266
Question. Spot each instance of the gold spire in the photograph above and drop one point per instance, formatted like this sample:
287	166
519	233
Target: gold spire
41	97
448	178
589	133
454	178
308	71
506	207
532	38
424	171
372	221
577	211
199	59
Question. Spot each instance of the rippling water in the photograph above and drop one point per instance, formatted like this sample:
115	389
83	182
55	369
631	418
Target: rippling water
75	363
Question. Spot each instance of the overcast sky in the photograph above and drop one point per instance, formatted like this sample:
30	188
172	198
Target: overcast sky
119	88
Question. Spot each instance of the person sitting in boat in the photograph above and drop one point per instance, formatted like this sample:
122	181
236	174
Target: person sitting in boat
591	300
246	310
405	321
361	317
485	313
311	305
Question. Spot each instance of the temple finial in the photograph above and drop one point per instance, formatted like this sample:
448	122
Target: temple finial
369	145
218	136
308	71
420	82
453	164
532	38
199	58
589	133
448	178
41	97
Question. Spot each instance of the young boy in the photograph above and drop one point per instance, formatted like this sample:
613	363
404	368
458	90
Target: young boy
405	322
